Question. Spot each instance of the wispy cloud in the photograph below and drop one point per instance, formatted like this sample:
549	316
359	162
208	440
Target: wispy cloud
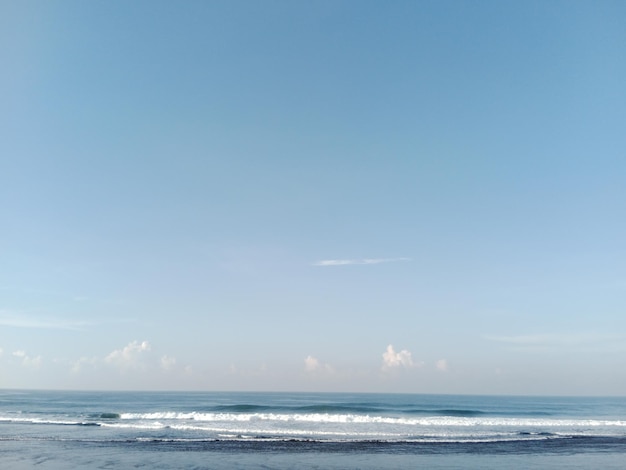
20	320
561	341
25	321
442	365
347	262
44	293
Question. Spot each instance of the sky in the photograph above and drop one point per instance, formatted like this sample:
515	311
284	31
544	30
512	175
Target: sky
364	196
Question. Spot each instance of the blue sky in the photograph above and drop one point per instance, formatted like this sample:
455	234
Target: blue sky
331	195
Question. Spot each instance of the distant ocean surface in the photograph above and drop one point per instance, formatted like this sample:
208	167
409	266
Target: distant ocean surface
67	430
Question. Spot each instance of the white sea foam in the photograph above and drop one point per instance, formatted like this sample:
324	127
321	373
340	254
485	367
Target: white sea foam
148	426
447	421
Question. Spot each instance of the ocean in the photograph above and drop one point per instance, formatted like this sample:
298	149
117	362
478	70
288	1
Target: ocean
193	430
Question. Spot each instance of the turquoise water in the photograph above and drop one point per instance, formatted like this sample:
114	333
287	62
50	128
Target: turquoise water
296	430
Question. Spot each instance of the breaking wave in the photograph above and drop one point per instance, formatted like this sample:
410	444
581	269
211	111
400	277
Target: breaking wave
370	419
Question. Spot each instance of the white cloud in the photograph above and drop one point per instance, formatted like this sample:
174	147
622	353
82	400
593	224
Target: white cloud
393	359
314	365
311	364
1	351
129	356
345	262
28	361
167	362
442	365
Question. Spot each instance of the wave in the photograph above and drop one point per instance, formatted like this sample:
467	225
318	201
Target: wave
246	435
48	421
157	420
241	408
108	416
451	412
445	420
323	408
605	442
363	408
341	408
469	412
263	438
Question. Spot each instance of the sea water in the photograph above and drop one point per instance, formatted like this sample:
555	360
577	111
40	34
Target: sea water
65	430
